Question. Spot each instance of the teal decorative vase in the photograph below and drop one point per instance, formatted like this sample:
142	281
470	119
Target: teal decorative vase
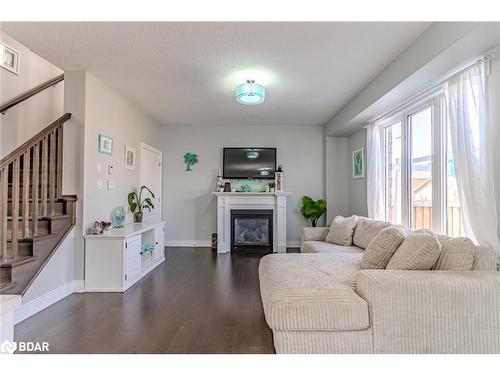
118	216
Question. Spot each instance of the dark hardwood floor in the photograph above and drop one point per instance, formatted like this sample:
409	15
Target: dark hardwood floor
195	302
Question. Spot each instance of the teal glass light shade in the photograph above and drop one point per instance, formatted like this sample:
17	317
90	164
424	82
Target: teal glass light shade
250	93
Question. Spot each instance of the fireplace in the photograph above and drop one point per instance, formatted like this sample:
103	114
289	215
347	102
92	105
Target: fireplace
252	230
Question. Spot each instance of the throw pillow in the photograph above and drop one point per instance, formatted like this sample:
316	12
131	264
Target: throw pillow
341	230
380	250
366	230
419	251
457	254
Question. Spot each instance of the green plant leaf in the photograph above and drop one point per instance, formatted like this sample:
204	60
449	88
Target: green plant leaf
312	210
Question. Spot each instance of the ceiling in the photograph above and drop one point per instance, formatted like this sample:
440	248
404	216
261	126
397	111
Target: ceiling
185	73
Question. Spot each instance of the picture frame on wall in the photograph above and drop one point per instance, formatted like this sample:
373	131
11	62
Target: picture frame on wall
105	144
9	58
358	163
130	156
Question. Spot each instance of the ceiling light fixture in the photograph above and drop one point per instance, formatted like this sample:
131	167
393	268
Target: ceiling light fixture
250	93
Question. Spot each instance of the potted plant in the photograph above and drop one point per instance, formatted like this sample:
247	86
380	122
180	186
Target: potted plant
272	186
312	210
137	204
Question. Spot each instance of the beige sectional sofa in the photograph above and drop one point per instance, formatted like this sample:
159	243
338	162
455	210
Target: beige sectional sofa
321	301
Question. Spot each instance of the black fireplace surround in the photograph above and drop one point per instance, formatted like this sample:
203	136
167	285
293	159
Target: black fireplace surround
252	230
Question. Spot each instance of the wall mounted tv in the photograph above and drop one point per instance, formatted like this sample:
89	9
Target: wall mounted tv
251	162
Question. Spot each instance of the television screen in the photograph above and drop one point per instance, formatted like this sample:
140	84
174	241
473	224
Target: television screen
259	163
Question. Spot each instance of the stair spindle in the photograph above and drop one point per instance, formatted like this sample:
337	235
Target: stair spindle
15	207
45	157
36	182
52	173
26	193
4	177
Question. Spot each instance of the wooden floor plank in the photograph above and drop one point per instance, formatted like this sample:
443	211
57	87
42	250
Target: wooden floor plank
196	302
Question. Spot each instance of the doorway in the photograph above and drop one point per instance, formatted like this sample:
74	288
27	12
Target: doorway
151	176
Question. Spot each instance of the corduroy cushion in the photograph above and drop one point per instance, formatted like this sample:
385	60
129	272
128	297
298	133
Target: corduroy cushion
419	251
324	247
457	254
366	230
341	230
381	249
312	292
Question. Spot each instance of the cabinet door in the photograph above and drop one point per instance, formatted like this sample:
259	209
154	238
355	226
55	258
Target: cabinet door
132	258
159	249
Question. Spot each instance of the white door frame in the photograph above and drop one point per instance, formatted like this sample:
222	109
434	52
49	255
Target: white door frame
159	197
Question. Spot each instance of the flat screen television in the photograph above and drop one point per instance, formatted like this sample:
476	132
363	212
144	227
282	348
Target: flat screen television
251	162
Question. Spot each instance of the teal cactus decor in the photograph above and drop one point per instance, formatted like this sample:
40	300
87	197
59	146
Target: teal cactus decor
190	160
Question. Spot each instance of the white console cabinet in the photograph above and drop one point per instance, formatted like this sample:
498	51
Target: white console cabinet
116	260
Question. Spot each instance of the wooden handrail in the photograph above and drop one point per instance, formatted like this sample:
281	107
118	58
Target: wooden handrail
28	94
37	138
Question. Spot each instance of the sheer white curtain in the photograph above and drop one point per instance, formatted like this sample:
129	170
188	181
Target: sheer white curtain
471	139
375	185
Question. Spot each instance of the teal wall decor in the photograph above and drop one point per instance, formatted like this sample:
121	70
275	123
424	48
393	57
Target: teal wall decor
190	160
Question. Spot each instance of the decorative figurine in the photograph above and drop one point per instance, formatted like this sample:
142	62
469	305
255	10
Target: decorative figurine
280	185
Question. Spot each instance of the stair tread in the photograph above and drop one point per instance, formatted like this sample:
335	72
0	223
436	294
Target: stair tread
6	286
40	200
55	217
10	263
32	239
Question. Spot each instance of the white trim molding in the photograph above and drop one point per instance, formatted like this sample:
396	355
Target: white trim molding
204	243
251	201
45	300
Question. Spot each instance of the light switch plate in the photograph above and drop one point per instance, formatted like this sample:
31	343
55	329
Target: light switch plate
100	184
111	169
111	185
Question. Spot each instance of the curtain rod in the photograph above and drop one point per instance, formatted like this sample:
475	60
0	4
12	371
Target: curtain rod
485	59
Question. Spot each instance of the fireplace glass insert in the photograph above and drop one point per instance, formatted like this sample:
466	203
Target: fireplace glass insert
252	230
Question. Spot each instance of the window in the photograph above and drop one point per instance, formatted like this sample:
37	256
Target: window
420	184
393	173
454	222
420	124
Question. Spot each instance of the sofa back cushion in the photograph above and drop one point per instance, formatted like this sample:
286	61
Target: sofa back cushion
419	251
484	258
380	250
366	230
457	254
341	230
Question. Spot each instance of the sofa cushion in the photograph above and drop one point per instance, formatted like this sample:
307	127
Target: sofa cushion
457	254
324	247
419	251
366	230
341	230
380	250
310	292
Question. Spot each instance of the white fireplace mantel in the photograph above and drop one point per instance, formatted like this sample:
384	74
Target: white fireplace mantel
251	201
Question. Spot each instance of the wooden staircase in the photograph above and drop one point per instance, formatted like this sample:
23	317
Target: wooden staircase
34	215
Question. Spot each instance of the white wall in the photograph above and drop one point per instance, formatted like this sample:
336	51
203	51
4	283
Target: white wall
357	187
190	208
26	119
95	108
337	176
109	113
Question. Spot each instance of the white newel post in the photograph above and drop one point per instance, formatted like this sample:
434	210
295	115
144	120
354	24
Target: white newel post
251	201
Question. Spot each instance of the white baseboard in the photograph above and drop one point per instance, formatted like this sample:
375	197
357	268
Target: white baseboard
189	243
38	304
202	243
